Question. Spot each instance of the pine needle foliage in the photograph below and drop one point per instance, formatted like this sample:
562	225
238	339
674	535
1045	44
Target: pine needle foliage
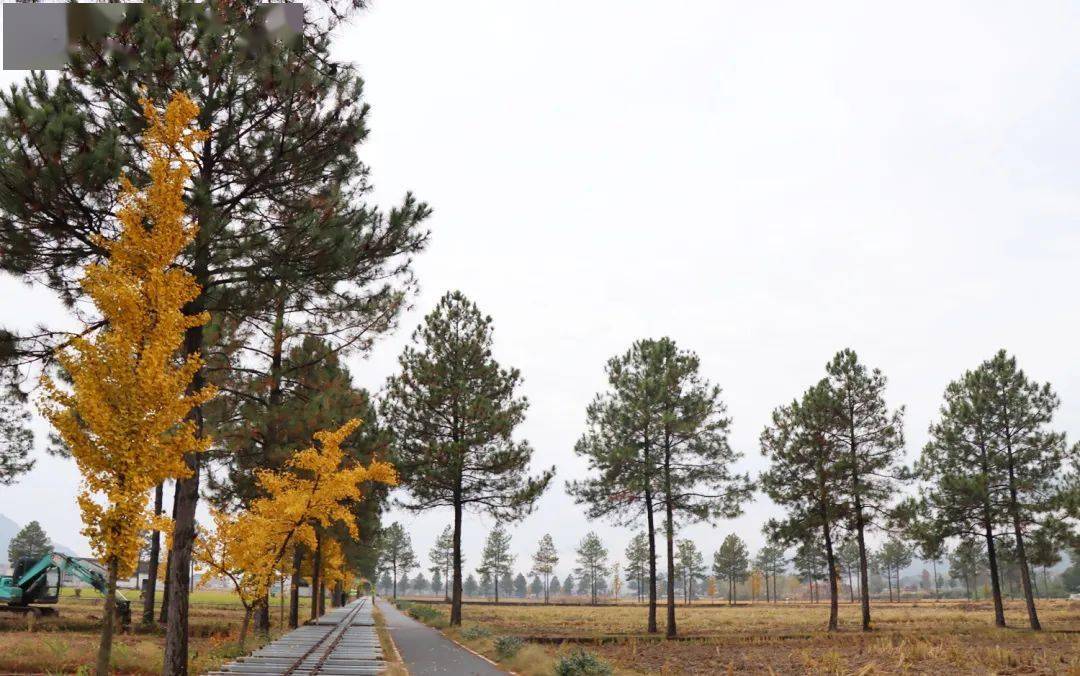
452	411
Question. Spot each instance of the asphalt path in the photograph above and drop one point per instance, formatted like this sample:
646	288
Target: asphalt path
426	651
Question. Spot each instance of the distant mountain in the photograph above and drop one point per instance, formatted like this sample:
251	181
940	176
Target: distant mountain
9	529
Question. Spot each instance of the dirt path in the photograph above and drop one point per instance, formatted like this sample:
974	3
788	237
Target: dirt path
426	651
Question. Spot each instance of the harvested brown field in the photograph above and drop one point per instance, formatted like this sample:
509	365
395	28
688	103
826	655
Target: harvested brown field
909	637
67	643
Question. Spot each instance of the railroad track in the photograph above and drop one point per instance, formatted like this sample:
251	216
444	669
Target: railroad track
342	642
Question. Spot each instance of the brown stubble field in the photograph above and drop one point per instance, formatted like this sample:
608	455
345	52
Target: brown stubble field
67	643
947	637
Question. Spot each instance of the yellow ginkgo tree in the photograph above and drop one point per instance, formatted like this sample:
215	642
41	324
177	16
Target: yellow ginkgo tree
334	572
123	415
314	489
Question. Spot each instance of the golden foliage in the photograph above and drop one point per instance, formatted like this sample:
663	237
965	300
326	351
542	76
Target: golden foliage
334	566
123	416
756	579
316	487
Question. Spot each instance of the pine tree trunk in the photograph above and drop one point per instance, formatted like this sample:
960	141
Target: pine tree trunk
864	569
669	529
270	441
995	581
1025	575
455	602
187	489
860	530
104	655
1021	554
830	561
163	617
294	588
649	517
176	630
155	557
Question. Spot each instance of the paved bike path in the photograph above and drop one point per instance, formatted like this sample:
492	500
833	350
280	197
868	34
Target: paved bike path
426	651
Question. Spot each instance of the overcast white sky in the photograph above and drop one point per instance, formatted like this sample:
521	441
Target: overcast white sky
766	183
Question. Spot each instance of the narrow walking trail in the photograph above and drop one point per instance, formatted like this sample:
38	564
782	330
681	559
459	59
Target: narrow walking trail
426	651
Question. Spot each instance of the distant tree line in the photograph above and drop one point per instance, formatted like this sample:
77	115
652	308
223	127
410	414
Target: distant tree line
996	485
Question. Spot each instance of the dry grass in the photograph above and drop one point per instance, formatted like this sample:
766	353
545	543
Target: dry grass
531	660
945	638
67	643
922	637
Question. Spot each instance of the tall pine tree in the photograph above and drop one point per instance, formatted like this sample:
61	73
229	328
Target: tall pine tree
993	466
441	556
396	556
690	568
545	559
772	561
872	438
496	559
592	566
807	476
658	442
453	411
731	563
637	564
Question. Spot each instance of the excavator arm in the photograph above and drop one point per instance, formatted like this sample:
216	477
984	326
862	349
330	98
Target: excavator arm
31	585
95	579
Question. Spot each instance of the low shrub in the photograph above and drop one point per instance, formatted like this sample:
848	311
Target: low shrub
508	646
475	632
422	612
582	663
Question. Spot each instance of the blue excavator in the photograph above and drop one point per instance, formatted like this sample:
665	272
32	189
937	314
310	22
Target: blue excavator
36	583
